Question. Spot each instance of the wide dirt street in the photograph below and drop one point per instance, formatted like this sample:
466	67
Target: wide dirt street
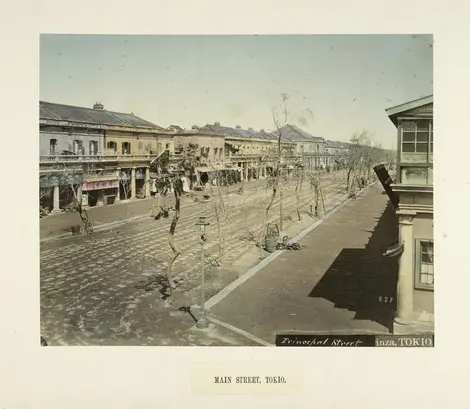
93	287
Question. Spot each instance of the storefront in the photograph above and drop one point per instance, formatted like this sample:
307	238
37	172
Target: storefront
140	183
218	175
100	193
57	190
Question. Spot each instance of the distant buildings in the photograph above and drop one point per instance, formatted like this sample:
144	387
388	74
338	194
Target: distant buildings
105	156
414	187
335	151
305	144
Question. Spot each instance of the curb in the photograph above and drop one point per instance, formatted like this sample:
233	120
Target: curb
106	226
99	227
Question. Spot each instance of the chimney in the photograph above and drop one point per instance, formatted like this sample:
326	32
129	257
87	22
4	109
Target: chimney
217	123
195	127
98	105
262	130
238	127
250	129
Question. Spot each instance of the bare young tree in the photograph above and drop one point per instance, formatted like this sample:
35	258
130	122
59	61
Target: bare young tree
125	183
315	184
299	178
355	156
280	117
69	173
170	180
219	192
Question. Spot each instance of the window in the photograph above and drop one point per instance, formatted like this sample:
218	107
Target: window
167	146
52	146
111	145
424	268
78	147
140	146
159	147
126	148
93	148
416	136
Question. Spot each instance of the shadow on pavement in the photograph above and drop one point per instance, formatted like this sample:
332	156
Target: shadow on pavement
362	280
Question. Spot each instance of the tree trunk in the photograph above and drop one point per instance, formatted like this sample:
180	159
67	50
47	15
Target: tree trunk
219	210
297	198
171	235
348	177
266	216
281	197
82	212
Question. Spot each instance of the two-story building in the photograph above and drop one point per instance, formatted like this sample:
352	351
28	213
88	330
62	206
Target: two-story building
252	153
103	155
308	148
335	153
209	150
414	188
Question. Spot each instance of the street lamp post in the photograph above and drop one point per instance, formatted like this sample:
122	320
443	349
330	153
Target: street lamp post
202	323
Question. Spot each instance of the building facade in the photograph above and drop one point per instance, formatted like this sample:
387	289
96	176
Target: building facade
414	188
309	149
101	156
251	153
335	152
105	156
211	150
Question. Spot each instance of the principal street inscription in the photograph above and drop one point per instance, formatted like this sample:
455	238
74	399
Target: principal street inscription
304	340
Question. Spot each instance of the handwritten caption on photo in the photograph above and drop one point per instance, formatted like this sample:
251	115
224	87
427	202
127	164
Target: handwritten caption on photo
304	340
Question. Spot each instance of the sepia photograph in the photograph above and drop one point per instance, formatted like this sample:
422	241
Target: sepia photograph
235	190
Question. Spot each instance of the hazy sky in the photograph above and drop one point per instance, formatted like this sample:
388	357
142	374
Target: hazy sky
346	82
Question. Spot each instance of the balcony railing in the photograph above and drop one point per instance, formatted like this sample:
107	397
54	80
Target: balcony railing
93	158
52	159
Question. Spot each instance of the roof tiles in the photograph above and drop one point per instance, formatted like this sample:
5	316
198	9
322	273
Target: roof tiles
49	110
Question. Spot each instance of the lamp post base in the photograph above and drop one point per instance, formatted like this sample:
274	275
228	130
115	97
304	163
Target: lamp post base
202	323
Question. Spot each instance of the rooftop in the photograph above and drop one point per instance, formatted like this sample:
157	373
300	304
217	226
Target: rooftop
336	144
92	116
291	133
236	132
410	105
175	128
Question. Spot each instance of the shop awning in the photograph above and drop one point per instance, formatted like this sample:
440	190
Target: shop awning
102	184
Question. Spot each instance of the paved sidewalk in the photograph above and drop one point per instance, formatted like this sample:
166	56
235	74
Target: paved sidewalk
337	282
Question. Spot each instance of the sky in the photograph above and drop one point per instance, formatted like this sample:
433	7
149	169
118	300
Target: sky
336	85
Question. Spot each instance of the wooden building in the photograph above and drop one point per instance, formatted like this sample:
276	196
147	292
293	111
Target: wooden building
414	188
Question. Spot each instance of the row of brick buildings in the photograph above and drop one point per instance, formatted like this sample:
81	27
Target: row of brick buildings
107	155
